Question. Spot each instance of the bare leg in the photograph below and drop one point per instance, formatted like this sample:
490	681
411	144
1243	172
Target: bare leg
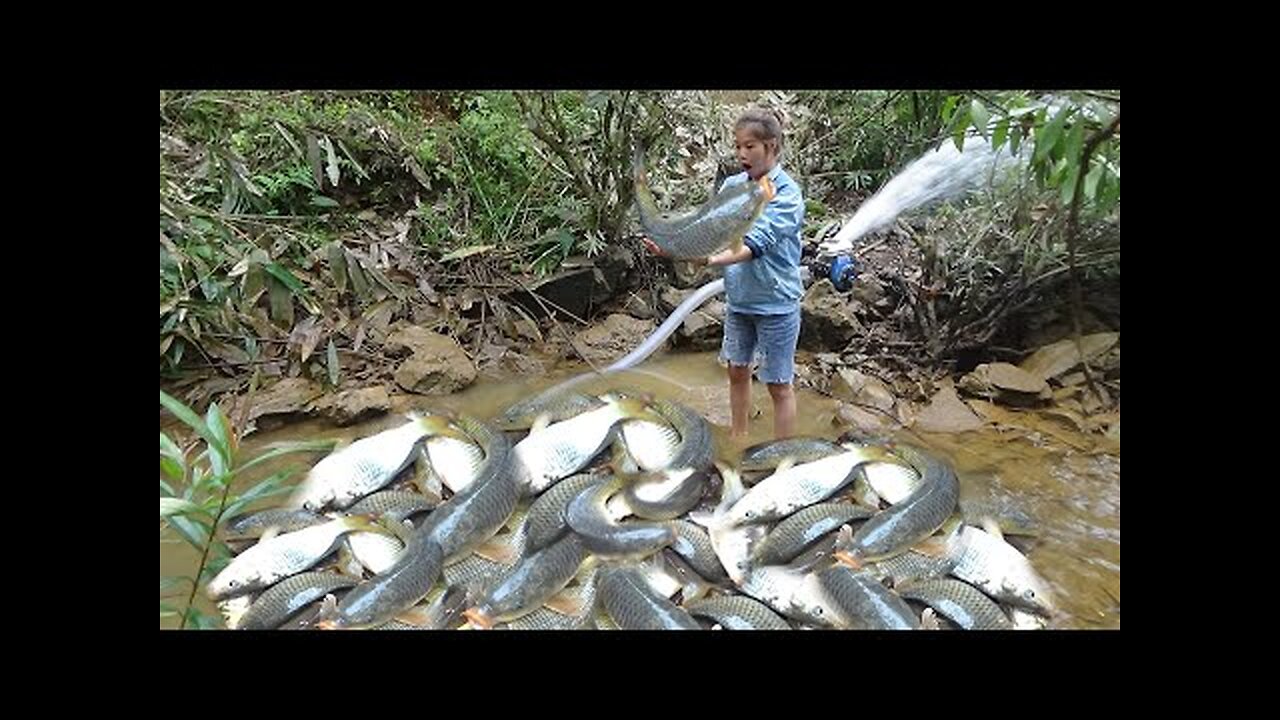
740	399
784	410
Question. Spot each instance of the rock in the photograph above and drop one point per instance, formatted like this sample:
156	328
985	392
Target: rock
947	414
573	290
1052	326
1071	380
703	329
437	366
637	307
1005	382
610	340
687	275
849	384
352	406
1053	360
828	359
868	290
862	420
288	397
827	320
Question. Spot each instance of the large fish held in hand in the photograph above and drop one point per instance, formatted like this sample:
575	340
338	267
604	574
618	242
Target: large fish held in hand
720	222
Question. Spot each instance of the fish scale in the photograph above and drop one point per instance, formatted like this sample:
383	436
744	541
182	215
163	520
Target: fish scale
962	603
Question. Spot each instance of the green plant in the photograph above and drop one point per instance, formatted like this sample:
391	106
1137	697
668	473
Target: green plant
196	498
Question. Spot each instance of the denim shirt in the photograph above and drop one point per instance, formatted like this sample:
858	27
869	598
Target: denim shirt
769	283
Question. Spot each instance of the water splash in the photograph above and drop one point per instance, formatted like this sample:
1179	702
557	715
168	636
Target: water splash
940	174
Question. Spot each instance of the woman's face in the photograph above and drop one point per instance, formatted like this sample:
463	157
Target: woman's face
756	156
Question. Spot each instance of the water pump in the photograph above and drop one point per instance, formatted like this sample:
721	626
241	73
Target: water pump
840	269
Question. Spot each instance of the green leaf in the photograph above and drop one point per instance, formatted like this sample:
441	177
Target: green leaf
188	530
1091	181
170	449
1075	140
168	582
352	158
166	488
949	107
1048	137
171	470
201	621
337	265
1015	138
176	506
359	283
284	276
1069	183
325	202
1002	129
221	457
979	114
285	448
332	161
961	120
466	252
185	414
281	304
269	487
313	158
334	368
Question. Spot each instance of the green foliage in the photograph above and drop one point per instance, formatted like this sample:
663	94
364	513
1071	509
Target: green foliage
1059	130
196	497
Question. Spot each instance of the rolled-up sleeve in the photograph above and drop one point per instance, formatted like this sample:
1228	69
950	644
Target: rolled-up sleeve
782	218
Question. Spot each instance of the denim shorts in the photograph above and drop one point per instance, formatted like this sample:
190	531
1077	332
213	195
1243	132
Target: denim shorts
769	338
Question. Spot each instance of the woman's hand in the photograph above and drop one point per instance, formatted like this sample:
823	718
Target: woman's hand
653	247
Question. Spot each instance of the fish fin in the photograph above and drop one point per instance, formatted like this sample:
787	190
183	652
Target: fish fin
571	603
929	620
440	425
659	577
347	563
617	507
269	533
417	616
499	551
934	547
992	527
770	190
844	536
785	464
397	530
477	619
540	423
847	559
328	617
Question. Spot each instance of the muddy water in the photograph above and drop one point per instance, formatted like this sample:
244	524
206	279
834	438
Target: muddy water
1072	494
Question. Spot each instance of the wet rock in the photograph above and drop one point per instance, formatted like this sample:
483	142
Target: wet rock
869	291
827	319
946	413
1005	383
290	396
863	420
352	406
1053	360
849	384
437	366
610	340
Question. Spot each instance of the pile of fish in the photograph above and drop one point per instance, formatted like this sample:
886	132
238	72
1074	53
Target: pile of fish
614	511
